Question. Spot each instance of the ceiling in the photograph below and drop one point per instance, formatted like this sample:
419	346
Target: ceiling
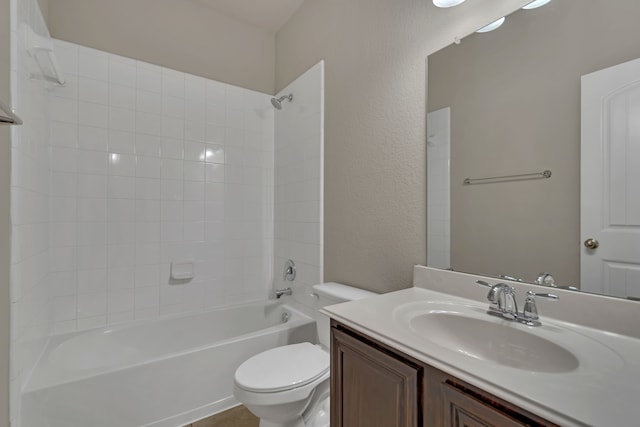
270	15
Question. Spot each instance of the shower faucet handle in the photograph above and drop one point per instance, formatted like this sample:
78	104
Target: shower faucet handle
289	270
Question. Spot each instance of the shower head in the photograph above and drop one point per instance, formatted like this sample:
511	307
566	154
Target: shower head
277	103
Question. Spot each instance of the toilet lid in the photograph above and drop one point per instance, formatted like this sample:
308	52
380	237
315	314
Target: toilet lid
283	368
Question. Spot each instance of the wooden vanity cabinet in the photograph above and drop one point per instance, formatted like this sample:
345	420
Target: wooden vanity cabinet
374	385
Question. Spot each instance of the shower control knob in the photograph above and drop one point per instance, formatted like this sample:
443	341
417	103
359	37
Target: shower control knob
591	244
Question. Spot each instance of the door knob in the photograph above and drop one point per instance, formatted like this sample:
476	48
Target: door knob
591	244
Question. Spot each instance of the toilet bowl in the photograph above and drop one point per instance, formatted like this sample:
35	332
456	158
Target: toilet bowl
288	386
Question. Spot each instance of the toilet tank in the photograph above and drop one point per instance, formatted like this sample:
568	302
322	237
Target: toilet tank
329	294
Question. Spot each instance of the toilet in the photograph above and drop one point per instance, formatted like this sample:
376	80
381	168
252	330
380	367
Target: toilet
288	386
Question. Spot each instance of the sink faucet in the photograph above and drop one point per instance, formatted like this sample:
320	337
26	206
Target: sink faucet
502	299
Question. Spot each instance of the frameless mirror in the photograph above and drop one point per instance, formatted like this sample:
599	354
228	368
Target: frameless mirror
511	119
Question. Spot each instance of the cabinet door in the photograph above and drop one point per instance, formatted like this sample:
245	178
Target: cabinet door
463	410
370	387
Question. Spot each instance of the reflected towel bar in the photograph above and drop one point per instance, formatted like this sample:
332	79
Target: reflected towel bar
525	176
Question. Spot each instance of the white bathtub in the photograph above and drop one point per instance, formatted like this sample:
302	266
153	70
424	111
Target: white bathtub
162	373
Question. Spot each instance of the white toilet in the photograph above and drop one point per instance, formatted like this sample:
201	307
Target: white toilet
289	386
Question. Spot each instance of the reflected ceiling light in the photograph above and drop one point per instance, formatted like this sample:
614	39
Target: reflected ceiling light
495	24
447	3
536	4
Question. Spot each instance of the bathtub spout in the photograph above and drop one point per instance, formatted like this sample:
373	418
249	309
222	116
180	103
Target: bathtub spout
280	292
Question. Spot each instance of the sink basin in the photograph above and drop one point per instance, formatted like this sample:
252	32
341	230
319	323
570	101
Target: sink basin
466	330
506	344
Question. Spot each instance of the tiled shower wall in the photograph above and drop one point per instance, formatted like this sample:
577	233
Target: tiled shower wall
299	164
151	166
29	201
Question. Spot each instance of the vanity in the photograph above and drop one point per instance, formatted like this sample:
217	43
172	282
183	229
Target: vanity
431	356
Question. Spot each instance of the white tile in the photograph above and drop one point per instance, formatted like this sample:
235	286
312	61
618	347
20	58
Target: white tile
215	172
147	232
63	259
92	257
148	145
147	275
194	130
93	64
194	171
214	211
172	148
63	184
215	134
216	115
92	186
92	281
90	305
149	102
194	151
147	253
91	233
148	123
120	187
172	210
148	167
122	97
122	164
193	191
214	231
149	79
193	232
172	169
214	153
120	278
120	317
173	83
64	134
172	128
62	209
120	233
122	119
64	308
95	91
92	162
193	211
92	138
92	210
172	190
121	256
147	210
195	109
63	110
147	297
234	119
121	210
63	234
173	107
215	93
148	189
63	159
120	301
122	142
67	54
172	232
122	71
94	115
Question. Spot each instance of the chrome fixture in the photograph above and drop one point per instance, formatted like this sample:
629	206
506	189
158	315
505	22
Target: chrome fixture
277	102
591	244
512	278
502	299
285	317
520	177
280	292
289	270
7	116
545	279
530	311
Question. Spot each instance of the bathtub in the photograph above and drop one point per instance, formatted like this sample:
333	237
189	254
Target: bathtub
161	373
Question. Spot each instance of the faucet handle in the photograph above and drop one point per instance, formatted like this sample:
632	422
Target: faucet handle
530	311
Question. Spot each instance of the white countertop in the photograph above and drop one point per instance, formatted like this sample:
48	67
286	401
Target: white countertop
604	391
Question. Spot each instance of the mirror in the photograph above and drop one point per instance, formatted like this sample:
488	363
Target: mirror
507	103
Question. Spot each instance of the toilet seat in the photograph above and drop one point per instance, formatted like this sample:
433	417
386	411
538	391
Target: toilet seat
283	368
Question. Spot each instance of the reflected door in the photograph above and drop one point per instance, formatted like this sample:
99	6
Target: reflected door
610	181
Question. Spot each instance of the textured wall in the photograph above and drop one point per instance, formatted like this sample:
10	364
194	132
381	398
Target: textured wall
182	35
375	164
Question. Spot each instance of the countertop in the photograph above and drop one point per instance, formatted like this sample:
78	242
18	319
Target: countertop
604	391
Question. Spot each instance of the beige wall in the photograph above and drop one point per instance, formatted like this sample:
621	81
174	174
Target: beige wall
5	225
183	35
515	103
375	119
